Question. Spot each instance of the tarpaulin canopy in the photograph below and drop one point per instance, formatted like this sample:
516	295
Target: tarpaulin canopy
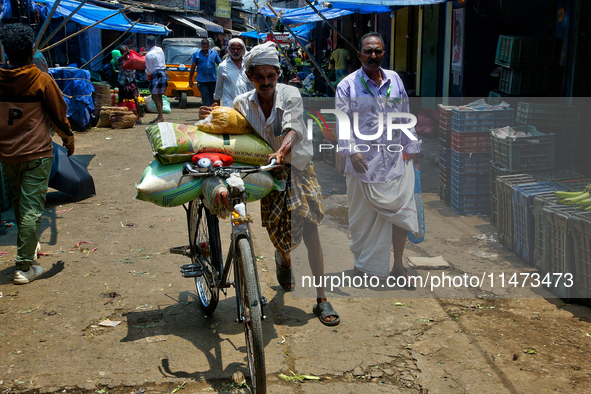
201	32
253	34
335	9
302	32
89	14
304	14
209	25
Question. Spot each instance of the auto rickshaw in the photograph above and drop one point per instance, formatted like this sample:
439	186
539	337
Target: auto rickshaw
177	55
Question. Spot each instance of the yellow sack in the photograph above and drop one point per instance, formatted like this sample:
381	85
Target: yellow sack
177	143
224	120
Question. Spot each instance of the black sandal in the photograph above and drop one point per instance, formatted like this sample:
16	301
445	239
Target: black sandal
284	274
324	310
401	271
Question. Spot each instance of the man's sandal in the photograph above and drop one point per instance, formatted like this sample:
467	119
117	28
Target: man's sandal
409	282
324	310
284	274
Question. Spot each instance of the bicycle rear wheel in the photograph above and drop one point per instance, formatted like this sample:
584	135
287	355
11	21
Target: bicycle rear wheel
250	301
204	241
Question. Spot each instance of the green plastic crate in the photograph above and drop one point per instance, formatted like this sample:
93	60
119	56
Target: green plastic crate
548	114
521	52
524	153
530	81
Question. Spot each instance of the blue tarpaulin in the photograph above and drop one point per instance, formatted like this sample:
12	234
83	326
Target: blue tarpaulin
90	14
341	8
77	91
304	14
254	34
302	32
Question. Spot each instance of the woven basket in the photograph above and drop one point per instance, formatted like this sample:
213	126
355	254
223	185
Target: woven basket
101	97
105	115
123	120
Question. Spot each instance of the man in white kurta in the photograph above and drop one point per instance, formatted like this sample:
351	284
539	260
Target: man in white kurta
380	174
231	80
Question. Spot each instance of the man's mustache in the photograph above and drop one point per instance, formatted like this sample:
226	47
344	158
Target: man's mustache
371	61
266	86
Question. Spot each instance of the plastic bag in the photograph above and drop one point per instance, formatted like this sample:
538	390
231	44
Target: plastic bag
135	62
151	106
420	236
224	120
212	188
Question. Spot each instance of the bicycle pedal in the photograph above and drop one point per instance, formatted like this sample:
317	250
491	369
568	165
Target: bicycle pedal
184	250
264	301
191	270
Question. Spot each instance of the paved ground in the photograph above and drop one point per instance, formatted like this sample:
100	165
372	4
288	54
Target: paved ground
407	342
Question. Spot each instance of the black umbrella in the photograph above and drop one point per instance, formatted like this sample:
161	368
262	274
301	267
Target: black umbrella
69	175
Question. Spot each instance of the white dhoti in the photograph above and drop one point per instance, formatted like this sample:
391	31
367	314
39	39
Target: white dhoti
373	208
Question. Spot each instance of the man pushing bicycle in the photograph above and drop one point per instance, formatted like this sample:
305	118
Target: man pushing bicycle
275	112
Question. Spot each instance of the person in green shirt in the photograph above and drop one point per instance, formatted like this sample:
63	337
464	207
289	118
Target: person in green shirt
340	60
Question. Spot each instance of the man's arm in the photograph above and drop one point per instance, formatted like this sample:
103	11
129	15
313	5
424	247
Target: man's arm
285	147
219	85
193	66
56	108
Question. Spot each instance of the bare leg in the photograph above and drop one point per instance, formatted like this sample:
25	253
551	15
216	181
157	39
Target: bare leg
398	242
158	101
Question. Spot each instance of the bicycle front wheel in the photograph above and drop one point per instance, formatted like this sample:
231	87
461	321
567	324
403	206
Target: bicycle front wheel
204	241
250	300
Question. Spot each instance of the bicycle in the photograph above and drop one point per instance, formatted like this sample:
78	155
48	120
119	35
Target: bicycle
212	275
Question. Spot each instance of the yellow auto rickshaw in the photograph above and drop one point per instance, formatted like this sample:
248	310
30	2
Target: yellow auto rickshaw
177	55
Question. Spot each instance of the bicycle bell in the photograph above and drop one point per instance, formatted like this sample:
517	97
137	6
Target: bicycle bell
204	164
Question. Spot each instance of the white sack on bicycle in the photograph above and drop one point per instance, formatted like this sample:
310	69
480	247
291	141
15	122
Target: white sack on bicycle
211	188
159	185
177	143
224	120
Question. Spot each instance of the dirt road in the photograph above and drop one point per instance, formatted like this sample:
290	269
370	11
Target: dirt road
50	338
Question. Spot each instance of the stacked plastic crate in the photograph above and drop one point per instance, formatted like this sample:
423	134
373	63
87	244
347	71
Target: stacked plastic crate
530	65
581	235
445	114
470	157
561	120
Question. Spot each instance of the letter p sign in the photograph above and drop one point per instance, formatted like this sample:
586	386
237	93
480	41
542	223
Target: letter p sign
14	113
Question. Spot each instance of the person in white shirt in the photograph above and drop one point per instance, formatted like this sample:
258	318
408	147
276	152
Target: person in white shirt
275	112
156	70
231	79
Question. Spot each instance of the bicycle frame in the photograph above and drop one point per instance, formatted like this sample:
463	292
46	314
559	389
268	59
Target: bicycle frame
239	231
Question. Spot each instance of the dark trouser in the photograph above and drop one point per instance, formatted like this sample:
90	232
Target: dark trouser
207	90
29	188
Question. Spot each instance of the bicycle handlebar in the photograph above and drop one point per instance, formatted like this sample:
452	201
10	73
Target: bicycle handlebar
223	172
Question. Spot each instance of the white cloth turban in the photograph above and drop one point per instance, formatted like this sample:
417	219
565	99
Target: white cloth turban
262	55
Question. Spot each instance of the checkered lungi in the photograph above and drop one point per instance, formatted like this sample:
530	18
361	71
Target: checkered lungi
283	213
158	82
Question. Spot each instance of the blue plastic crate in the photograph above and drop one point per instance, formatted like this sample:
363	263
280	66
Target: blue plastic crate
523	216
469	178
470	204
444	157
462	184
470	163
477	121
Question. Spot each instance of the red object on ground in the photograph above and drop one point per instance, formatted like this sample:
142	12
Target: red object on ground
130	105
223	159
135	62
